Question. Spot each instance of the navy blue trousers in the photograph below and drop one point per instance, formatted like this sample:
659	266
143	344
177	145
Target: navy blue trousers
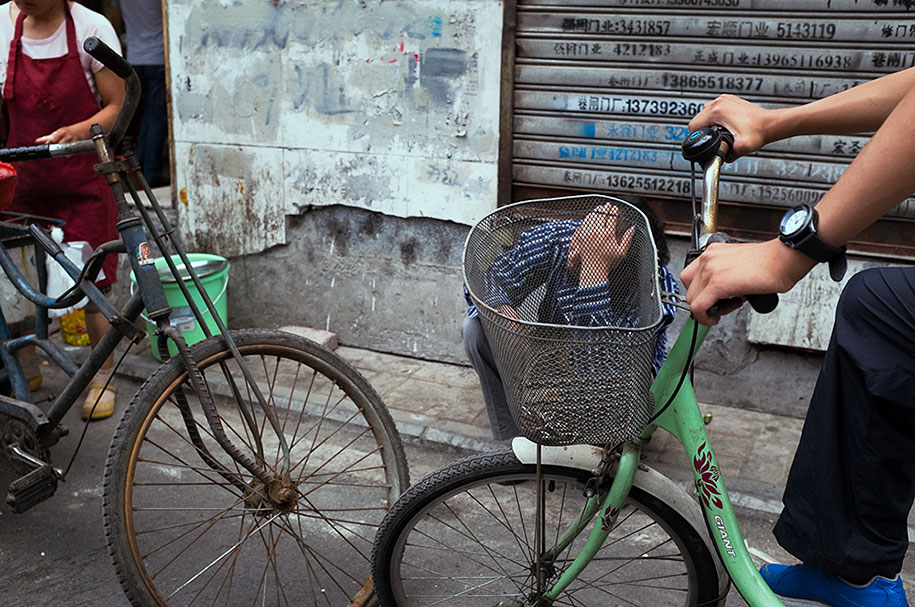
852	481
154	124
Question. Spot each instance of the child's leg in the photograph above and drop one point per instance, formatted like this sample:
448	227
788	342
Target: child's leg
96	326
477	348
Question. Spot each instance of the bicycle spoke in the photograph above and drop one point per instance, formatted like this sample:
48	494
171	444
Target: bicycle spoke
187	466
212	520
212	534
318	558
463	539
236	551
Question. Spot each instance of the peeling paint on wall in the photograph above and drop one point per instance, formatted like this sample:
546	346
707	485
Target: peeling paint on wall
388	106
235	204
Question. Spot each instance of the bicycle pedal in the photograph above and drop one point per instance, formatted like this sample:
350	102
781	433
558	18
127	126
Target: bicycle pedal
32	489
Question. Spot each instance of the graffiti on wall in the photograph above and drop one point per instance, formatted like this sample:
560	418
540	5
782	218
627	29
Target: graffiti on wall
388	106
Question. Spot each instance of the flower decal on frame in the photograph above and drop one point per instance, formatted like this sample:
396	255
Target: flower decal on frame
707	479
607	517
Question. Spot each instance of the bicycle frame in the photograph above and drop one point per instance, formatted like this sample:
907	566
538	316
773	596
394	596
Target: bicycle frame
677	411
121	176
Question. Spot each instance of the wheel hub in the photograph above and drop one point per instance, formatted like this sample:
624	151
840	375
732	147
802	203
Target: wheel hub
279	495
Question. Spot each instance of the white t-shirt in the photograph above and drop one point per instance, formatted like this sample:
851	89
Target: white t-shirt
87	23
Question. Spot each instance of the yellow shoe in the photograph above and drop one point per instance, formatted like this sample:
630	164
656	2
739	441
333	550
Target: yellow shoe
105	397
35	382
32	370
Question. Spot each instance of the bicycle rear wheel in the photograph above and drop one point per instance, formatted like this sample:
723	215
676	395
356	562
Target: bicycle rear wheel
181	532
464	535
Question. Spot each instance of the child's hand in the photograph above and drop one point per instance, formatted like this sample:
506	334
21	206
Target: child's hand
595	247
64	134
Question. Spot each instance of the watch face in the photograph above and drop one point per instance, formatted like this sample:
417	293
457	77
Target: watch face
794	220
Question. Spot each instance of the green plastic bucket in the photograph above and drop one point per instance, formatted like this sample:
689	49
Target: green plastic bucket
213	272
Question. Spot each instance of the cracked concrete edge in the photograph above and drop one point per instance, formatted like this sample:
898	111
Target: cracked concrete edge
139	367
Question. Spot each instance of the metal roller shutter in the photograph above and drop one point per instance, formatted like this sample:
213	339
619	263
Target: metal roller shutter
603	90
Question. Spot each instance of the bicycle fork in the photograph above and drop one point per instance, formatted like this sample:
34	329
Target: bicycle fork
682	419
143	265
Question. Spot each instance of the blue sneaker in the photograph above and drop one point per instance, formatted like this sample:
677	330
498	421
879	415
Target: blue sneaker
805	582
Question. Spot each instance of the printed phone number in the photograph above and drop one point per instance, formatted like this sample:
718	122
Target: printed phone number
716	83
724	3
818	61
640	106
806	31
789	194
615	26
650	184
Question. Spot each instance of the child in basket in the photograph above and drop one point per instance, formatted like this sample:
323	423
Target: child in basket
574	259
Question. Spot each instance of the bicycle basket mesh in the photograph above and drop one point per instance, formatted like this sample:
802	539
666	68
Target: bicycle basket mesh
572	334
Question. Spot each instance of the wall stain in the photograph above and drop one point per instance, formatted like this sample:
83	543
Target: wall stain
340	231
371	224
443	253
408	251
441	72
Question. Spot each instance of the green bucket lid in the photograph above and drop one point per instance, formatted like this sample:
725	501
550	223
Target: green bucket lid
203	268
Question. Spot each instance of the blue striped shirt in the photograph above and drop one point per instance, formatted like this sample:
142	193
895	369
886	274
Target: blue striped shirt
542	252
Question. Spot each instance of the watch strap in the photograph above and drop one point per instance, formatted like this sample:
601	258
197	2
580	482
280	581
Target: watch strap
818	249
837	266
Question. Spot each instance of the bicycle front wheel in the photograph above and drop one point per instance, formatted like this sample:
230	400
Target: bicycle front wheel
186	524
464	535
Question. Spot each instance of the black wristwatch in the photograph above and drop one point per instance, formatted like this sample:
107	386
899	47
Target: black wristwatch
798	230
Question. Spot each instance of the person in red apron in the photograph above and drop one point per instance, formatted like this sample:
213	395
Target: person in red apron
49	100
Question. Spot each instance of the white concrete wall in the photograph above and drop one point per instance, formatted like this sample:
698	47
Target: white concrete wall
805	314
385	105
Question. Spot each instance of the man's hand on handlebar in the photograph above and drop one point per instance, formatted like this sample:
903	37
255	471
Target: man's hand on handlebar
725	273
746	121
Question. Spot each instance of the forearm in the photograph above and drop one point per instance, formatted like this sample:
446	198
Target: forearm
856	110
879	178
104	117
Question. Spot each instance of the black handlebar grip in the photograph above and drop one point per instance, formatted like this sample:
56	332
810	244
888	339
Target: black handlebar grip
764	303
33	152
703	144
44	239
108	57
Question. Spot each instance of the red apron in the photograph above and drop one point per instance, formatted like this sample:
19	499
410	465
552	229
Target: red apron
41	96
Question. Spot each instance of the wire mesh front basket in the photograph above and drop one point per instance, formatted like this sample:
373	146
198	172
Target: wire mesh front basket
568	296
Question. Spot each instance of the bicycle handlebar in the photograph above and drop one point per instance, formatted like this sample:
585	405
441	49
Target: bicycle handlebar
31	152
709	147
117	64
103	53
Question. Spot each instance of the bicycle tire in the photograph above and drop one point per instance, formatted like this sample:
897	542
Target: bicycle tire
178	532
461	537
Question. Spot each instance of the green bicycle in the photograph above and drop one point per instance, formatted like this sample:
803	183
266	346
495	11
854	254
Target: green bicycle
569	515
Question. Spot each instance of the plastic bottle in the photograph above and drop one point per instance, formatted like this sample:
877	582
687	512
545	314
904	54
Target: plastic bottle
73	322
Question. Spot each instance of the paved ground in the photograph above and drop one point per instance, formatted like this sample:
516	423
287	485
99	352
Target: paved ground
438	410
441	404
